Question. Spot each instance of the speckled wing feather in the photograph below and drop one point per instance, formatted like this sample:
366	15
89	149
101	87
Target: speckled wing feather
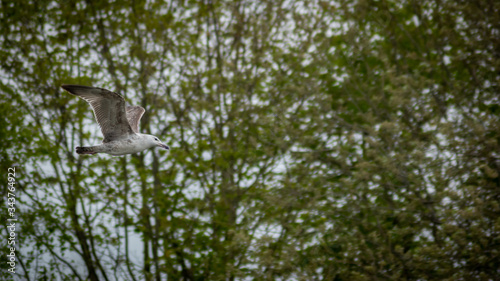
109	110
134	114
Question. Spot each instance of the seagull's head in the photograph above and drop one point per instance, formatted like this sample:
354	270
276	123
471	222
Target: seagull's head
154	141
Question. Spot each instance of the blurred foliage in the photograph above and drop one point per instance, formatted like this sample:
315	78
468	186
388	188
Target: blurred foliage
311	140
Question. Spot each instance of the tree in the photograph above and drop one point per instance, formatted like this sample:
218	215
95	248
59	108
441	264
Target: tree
310	140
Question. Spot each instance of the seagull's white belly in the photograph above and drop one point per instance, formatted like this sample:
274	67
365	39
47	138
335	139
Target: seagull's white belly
127	146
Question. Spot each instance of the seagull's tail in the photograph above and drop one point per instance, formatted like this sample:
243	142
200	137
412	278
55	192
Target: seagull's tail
85	150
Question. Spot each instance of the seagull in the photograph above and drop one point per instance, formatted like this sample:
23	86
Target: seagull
119	124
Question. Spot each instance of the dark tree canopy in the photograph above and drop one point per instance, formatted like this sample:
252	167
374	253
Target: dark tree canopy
310	140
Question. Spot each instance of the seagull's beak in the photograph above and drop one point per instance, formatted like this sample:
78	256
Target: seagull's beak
164	146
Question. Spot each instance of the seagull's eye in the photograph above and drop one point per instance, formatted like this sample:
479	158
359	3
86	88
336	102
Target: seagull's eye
156	139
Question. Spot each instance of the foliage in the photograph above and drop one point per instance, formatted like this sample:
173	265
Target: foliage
311	140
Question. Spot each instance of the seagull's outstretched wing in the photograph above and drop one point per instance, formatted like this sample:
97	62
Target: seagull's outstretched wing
134	114
109	110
